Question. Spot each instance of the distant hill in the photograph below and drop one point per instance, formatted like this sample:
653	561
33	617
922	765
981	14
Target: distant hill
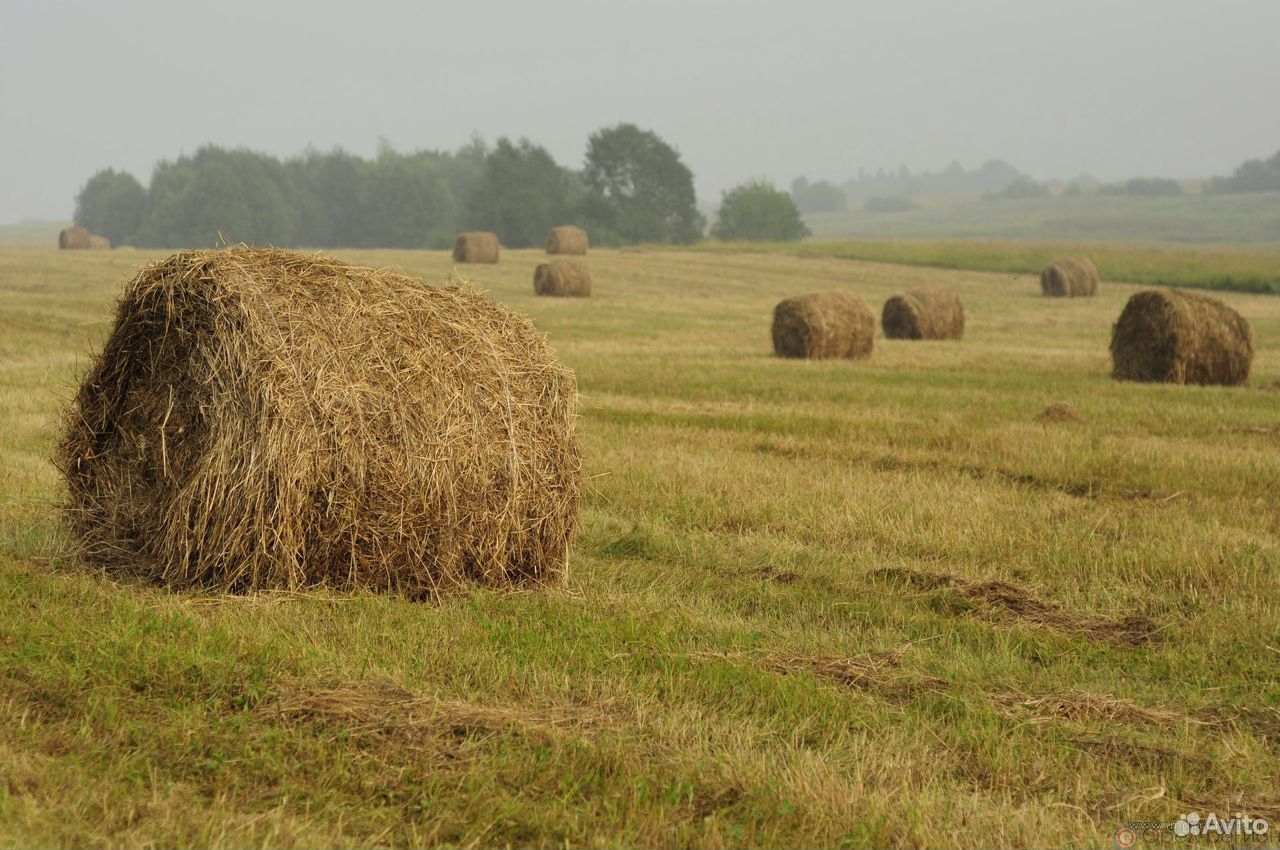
31	234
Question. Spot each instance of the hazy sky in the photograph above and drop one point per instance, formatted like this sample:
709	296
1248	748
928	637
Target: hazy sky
1119	88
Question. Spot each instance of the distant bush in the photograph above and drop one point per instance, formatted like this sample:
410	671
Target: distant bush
1255	175
819	197
1023	187
889	204
757	211
1144	187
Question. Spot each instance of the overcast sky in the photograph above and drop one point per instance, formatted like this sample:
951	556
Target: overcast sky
1115	88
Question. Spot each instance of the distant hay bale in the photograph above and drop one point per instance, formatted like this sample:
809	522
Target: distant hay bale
930	312
1180	337
73	239
99	243
1075	277
569	278
820	325
1059	411
264	419
476	246
567	240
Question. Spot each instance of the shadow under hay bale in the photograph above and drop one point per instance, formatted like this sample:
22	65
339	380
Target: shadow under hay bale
1075	277
1178	337
1059	412
929	312
476	246
99	243
565	278
822	325
264	419
73	239
567	240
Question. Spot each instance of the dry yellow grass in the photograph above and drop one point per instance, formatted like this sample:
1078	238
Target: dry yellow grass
813	602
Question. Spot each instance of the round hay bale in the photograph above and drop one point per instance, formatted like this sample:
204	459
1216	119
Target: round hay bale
569	278
567	240
821	325
1059	411
1075	277
930	312
73	239
476	246
99	243
1180	337
263	419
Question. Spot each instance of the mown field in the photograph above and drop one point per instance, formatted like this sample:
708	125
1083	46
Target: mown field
1251	268
833	604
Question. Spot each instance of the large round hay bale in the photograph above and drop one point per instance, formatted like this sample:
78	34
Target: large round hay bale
929	312
567	240
73	239
264	419
1071	278
820	325
569	278
1180	337
476	246
99	243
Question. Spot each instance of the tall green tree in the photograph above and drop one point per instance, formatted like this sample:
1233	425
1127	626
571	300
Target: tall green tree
640	189
236	195
112	204
520	194
756	210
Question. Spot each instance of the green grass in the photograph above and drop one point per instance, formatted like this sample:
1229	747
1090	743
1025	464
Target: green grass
832	604
1190	218
1254	268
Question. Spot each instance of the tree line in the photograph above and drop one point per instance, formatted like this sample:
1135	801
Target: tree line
633	187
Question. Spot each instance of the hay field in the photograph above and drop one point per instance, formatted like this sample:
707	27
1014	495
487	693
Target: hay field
832	603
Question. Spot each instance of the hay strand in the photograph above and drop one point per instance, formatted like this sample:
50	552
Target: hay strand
261	419
1179	337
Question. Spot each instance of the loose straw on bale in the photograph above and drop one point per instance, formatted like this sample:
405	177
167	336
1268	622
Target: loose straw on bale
567	240
930	312
569	278
1071	278
832	324
73	239
476	246
264	419
1180	337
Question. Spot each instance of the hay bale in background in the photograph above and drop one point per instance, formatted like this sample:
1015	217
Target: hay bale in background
264	419
1075	277
99	243
562	277
1059	411
819	325
1180	337
930	312
476	246
73	239
567	240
